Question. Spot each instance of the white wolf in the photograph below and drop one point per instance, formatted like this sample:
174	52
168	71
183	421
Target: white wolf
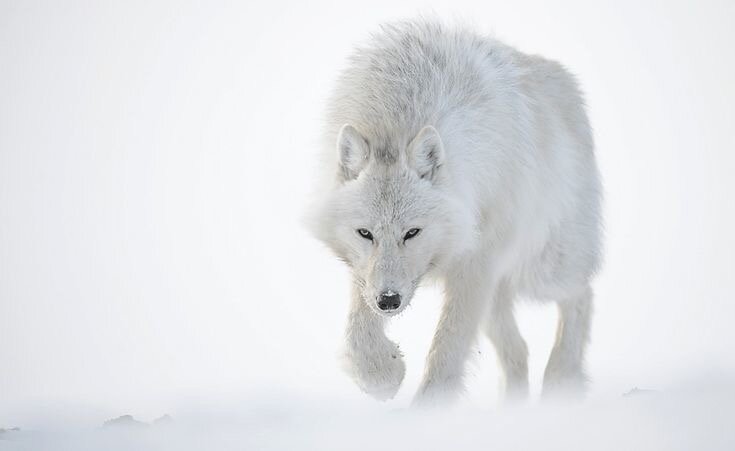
460	158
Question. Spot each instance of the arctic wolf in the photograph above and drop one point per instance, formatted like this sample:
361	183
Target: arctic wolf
453	156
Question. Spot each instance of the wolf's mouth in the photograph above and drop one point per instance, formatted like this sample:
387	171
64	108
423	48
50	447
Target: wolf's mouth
389	313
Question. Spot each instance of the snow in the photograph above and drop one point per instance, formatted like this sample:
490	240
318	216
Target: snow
682	419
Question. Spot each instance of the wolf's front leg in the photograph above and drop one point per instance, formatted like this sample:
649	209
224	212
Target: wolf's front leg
373	361
468	291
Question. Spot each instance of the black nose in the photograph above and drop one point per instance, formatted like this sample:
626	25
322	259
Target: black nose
389	300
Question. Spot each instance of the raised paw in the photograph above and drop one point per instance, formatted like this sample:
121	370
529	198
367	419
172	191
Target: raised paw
377	370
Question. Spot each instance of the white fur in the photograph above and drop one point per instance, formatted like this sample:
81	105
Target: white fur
489	152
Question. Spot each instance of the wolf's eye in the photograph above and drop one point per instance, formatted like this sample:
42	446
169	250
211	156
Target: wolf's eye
411	233
365	233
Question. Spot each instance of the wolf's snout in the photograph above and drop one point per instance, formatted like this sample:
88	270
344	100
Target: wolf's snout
389	300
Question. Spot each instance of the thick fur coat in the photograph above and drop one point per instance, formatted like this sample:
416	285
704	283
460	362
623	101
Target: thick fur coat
453	156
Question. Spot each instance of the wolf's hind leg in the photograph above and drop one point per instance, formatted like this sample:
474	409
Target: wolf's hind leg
565	372
502	330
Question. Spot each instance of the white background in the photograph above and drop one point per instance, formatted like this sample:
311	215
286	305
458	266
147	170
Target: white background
156	160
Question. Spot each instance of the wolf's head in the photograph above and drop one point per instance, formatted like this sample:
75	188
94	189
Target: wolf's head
391	217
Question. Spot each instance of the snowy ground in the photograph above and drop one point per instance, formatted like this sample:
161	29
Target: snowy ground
683	419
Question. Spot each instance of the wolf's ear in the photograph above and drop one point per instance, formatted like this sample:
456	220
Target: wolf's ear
352	151
426	153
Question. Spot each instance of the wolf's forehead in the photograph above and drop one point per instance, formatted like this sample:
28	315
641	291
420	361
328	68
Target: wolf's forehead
394	199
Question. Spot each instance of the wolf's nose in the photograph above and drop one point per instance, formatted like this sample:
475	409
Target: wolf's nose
390	300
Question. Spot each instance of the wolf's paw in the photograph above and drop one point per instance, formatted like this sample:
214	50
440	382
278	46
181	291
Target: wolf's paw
433	395
563	383
378	370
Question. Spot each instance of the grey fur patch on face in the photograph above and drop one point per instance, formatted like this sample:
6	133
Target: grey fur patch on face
386	155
